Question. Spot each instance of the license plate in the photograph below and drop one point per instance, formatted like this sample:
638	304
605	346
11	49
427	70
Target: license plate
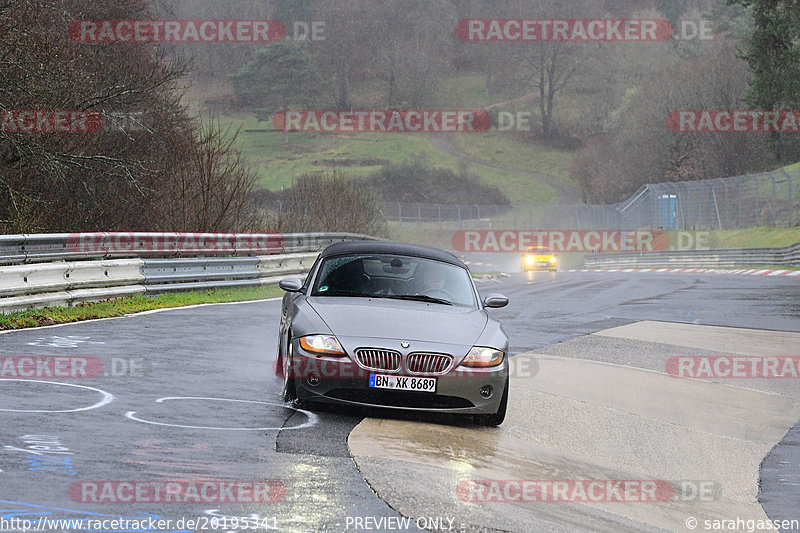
379	381
543	264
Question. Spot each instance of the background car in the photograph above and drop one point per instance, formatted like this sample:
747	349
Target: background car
393	325
539	258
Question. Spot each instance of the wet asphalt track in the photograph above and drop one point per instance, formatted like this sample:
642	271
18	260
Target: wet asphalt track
210	367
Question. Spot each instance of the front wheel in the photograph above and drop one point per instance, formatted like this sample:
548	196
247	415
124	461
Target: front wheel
497	418
289	383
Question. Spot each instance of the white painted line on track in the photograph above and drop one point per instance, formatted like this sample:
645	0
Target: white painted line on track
107	397
312	418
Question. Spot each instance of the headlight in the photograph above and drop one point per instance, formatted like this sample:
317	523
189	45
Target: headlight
529	259
326	344
553	259
479	356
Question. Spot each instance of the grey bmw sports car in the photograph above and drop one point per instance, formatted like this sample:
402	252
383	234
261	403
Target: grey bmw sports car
393	325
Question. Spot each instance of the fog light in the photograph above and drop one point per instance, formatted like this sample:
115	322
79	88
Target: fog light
486	391
313	381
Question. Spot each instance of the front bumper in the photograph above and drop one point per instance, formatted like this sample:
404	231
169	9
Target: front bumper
341	380
538	265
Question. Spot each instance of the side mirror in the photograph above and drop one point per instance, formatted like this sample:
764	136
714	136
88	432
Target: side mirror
290	284
495	300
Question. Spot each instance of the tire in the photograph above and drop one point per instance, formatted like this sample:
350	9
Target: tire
289	383
497	418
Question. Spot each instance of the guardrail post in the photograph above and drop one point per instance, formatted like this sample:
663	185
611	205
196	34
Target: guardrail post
399	213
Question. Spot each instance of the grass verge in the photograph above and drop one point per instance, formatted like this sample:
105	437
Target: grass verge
132	304
753	237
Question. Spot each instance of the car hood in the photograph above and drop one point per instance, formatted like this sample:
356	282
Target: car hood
398	319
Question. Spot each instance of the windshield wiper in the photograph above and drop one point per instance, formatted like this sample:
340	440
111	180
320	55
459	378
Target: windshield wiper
341	293
419	298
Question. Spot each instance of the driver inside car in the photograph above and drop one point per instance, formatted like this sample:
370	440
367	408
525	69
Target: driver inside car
429	278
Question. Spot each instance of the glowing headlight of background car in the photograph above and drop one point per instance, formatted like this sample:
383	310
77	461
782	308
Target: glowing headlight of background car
480	356
323	344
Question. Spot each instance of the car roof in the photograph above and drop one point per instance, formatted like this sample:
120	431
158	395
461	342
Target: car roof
388	247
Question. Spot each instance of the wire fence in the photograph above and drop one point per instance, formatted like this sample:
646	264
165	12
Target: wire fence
767	199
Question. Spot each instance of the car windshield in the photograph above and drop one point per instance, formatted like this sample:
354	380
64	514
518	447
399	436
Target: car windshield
395	277
539	251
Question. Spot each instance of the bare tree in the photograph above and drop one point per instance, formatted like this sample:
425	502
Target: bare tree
107	179
212	188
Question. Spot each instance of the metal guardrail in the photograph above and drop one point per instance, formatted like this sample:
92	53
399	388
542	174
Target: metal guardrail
47	272
18	249
165	275
720	258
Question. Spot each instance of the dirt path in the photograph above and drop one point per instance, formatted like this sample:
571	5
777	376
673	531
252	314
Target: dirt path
524	98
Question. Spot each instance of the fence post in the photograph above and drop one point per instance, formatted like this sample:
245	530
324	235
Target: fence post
399	213
688	205
791	207
439	210
758	218
727	206
716	205
739	195
655	210
771	175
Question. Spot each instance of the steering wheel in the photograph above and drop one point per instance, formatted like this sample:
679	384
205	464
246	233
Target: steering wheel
436	292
